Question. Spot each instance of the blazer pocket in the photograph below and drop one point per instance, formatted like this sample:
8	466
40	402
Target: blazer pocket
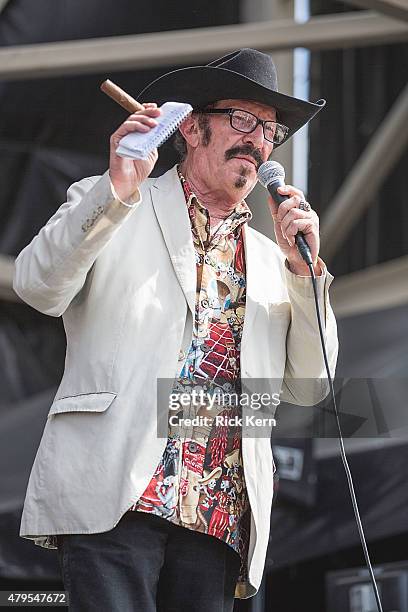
83	402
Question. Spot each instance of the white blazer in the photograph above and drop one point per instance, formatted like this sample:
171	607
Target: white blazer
124	280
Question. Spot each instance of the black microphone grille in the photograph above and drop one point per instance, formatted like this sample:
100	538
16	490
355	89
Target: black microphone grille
269	172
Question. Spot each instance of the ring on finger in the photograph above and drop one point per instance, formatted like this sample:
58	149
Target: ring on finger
303	205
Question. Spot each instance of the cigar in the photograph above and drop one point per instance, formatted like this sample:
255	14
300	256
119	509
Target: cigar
121	97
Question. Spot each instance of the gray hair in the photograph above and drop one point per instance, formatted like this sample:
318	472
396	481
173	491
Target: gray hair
179	142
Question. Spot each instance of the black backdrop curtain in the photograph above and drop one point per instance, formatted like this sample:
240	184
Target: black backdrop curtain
360	86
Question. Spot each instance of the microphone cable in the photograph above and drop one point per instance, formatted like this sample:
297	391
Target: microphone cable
340	437
271	175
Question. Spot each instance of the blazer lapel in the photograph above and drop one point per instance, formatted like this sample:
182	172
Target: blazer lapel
254	284
171	211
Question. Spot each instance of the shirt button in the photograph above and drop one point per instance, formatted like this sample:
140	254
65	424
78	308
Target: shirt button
182	355
192	447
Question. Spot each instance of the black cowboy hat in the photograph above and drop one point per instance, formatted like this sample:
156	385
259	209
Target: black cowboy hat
246	74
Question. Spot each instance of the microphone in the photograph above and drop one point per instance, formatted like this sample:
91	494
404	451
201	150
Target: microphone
271	174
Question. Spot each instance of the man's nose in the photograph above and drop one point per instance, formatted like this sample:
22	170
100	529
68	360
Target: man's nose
256	138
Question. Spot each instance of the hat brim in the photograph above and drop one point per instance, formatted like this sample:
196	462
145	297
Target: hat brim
201	85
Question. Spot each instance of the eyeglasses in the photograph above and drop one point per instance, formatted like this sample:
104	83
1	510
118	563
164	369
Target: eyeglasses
244	121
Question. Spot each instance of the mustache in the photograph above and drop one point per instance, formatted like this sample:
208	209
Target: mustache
246	150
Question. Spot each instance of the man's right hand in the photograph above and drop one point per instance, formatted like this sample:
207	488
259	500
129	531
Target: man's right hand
127	174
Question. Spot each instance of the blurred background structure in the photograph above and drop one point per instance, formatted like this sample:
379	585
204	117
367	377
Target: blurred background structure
352	163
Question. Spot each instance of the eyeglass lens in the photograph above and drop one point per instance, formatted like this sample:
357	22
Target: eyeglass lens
246	122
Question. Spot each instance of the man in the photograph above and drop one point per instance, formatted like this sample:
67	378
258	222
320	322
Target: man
161	281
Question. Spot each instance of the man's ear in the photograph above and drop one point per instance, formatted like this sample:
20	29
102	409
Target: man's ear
190	130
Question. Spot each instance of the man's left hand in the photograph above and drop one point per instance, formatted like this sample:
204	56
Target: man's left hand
288	220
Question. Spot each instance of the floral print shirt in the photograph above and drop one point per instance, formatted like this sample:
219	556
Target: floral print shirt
199	482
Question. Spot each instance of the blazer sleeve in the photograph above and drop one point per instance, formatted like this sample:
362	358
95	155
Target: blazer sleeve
52	269
305	380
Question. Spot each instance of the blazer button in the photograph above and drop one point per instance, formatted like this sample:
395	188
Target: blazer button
182	355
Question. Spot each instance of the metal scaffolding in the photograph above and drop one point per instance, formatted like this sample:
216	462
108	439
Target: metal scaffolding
398	9
357	29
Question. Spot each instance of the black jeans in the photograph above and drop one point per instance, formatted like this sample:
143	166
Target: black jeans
147	564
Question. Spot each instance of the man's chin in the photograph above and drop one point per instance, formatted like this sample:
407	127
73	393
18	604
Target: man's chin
242	179
244	183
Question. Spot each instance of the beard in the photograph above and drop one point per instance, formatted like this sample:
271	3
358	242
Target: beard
242	179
